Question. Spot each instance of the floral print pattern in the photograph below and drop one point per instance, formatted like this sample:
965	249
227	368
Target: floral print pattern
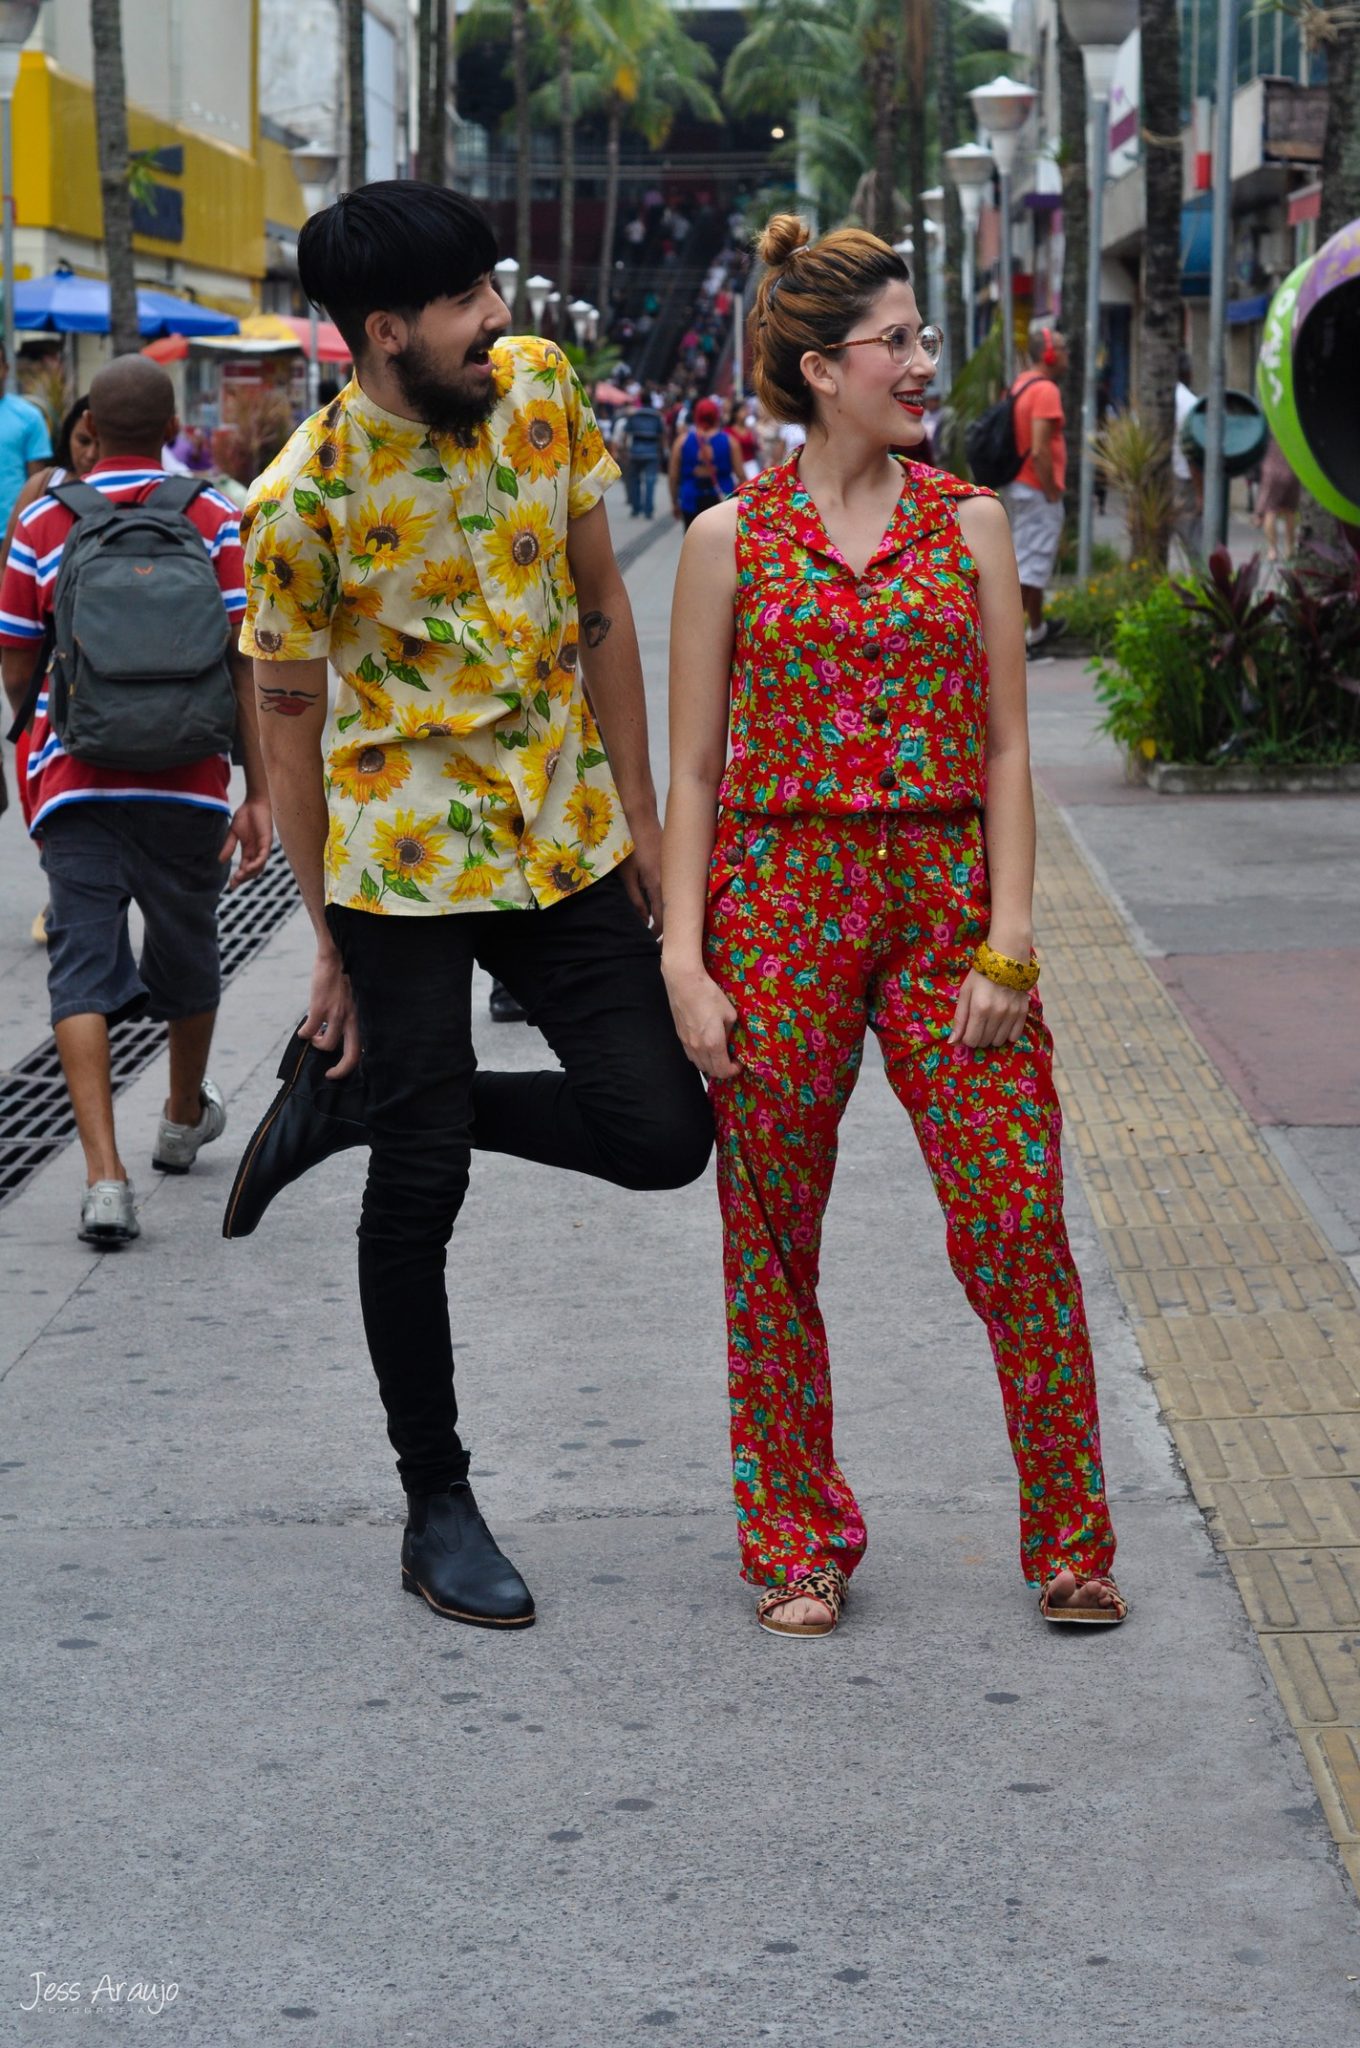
464	770
856	693
817	928
848	890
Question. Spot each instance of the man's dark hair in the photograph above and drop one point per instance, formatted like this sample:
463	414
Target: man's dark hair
392	247
132	403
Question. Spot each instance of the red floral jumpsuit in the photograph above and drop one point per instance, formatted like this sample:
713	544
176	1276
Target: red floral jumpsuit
849	888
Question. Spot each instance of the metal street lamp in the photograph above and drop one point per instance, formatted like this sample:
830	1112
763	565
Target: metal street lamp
970	169
537	290
592	326
1002	109
580	320
932	202
315	166
1099	28
508	284
18	18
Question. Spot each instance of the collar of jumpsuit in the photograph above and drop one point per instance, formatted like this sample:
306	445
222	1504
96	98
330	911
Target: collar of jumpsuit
856	693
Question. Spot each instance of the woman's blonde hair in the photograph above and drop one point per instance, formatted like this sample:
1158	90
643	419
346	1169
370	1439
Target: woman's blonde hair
810	297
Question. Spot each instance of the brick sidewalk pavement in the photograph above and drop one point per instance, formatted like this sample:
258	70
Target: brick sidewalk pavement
1246	1317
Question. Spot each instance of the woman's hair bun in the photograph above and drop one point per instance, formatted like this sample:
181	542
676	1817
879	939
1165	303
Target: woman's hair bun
783	237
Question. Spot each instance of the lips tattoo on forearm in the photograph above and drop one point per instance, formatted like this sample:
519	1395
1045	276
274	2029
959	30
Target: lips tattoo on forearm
288	703
596	626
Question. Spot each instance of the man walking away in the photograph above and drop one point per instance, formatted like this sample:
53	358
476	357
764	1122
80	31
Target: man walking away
1035	499
111	835
25	444
644	434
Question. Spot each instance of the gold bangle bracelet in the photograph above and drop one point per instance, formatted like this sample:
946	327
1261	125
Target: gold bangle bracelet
1007	973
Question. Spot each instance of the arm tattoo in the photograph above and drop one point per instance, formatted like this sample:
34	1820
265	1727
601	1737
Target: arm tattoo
288	703
596	626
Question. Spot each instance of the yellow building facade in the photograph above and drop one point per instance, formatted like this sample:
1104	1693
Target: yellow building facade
210	187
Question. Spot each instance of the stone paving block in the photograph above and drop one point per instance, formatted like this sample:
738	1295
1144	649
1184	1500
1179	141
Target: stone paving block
1274	1447
1299	1590
1318	1677
1350	1857
1270	1512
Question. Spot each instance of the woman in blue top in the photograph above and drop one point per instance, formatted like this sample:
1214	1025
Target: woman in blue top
701	464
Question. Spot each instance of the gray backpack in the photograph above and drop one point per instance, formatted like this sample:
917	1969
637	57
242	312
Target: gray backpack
141	676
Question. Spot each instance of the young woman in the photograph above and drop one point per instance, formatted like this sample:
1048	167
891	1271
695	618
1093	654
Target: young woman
701	471
866	858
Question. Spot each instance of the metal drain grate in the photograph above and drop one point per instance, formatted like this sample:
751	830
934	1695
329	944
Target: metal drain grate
35	1111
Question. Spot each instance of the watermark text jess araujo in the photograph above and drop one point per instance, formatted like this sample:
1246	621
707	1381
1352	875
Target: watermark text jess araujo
61	1993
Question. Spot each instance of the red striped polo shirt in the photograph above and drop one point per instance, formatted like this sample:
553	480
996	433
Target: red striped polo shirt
53	778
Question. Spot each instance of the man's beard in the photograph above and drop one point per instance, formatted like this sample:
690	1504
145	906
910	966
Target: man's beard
444	407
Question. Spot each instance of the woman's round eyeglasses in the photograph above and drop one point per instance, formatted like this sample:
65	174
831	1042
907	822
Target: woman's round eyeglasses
900	342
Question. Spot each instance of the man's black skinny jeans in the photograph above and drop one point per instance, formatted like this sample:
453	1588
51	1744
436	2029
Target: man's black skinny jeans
627	1107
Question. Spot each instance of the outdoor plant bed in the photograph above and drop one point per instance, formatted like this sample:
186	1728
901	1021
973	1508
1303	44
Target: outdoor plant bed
1215	684
1186	778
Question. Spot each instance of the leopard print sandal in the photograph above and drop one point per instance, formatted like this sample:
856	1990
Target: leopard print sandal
829	1585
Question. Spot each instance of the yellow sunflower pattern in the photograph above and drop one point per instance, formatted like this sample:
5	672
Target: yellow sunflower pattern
463	768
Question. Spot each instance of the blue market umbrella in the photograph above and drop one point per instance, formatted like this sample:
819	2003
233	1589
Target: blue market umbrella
67	304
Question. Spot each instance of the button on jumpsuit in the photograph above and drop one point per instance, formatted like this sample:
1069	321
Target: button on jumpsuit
848	889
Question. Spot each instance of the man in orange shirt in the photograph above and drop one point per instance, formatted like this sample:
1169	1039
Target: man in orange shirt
1035	499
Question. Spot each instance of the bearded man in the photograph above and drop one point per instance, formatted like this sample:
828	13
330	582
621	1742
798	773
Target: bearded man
438	536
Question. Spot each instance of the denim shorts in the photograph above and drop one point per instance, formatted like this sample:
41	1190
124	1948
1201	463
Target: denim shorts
101	856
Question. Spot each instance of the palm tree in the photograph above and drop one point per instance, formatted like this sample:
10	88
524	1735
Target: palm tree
111	130
1076	228
947	121
1159	25
1337	31
356	151
646	70
569	26
792	53
433	91
496	21
916	37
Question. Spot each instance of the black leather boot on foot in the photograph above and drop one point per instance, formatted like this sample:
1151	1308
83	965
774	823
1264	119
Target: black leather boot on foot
309	1119
451	1558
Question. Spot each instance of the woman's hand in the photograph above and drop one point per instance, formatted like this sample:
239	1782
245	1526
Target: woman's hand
703	1017
987	1014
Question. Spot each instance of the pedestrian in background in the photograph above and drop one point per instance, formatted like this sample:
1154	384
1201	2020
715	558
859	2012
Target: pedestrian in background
77	451
1035	499
702	469
1277	502
867	859
643	446
114	835
1187	478
25	444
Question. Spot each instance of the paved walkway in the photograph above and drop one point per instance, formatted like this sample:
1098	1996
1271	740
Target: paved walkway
241	1762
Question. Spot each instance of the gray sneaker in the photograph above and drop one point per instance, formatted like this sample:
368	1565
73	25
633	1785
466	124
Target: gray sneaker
108	1213
177	1145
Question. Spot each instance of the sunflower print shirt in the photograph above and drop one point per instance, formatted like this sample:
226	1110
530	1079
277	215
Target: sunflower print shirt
464	770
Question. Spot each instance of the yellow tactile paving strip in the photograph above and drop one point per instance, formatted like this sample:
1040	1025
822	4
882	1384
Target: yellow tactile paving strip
1248	1321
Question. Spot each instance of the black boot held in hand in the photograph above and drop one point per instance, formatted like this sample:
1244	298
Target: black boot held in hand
451	1558
308	1120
